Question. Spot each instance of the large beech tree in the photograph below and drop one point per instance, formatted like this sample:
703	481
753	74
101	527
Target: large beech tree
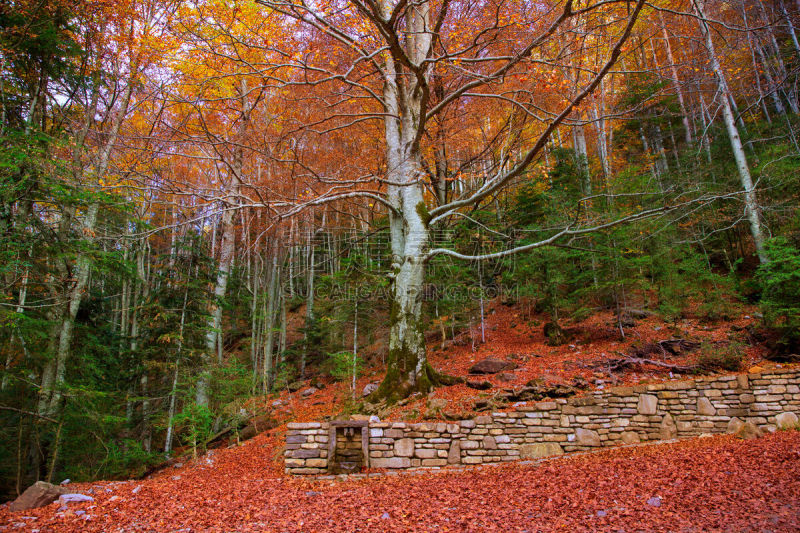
407	64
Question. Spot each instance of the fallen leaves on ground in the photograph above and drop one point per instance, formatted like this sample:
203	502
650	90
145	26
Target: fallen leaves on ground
514	335
707	484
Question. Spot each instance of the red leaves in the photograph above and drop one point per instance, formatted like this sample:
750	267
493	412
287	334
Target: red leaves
704	484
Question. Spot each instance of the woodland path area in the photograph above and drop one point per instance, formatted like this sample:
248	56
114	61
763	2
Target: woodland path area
705	484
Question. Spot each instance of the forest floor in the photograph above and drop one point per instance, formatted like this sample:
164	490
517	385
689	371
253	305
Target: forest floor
515	335
707	484
701	485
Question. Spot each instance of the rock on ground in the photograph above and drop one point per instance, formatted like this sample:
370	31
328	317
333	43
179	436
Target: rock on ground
491	366
37	495
748	431
786	420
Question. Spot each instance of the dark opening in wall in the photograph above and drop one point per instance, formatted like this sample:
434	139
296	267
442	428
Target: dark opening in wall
348	446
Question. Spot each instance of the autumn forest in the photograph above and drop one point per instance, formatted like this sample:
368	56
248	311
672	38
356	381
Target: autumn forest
220	216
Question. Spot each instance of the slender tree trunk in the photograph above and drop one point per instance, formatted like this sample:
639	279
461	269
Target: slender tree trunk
269	343
789	26
751	202
174	389
23	292
226	252
309	296
676	81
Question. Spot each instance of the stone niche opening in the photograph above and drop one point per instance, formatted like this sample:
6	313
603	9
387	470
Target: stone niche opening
348	446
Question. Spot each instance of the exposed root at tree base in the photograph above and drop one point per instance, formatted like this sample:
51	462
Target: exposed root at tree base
393	389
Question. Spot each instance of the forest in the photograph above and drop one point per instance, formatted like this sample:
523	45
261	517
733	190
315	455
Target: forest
208	207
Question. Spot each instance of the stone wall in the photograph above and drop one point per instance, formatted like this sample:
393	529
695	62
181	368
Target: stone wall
621	415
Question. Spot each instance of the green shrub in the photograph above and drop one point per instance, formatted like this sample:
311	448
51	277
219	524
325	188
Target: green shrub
779	280
194	425
345	366
728	357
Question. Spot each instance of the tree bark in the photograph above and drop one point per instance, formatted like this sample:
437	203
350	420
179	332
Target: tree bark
750	200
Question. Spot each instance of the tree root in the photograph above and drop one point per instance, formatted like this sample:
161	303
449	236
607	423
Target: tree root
392	390
622	363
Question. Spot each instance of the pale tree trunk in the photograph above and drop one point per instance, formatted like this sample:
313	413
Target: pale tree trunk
213	342
750	200
582	162
791	95
282	337
772	86
23	293
254	321
309	295
407	370
269	342
706	123
602	140
54	374
789	26
582	158
214	327
140	296
676	81
355	347
174	390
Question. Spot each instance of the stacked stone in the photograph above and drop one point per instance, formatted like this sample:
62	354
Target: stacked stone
622	415
306	449
401	445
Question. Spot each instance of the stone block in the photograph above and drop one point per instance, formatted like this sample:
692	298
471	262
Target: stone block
454	454
434	462
648	403
630	437
302	425
489	443
705	408
425	453
305	453
307	471
391	462
403	448
786	420
668	429
543	449
734	425
587	437
317	463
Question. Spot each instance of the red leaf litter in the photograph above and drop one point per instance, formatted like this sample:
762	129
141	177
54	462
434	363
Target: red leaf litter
699	485
705	484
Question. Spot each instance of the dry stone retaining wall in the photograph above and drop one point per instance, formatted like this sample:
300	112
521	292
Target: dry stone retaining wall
621	415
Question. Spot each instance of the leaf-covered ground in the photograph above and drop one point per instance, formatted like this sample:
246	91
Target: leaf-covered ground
514	335
710	484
